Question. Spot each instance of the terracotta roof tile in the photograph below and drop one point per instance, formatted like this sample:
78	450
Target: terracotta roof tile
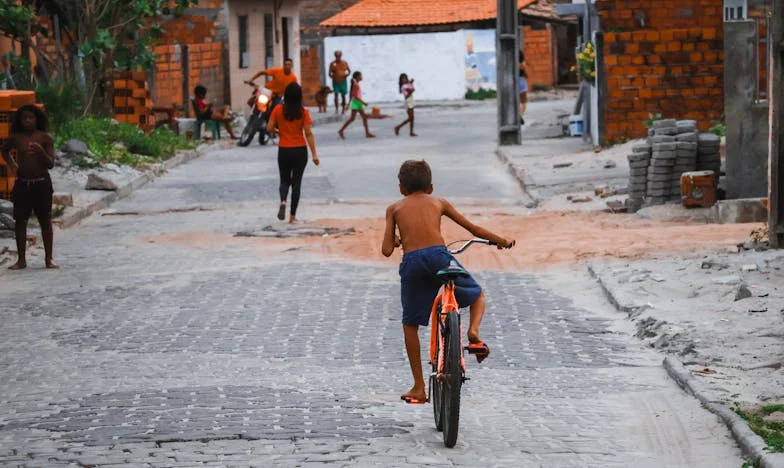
379	13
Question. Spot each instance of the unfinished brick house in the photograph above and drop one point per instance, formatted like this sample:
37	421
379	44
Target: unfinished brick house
217	43
414	19
220	44
660	56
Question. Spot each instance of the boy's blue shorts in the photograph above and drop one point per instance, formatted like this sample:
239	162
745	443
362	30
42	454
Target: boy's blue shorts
419	283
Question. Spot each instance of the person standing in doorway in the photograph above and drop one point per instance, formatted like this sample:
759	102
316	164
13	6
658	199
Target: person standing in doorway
339	72
523	85
293	123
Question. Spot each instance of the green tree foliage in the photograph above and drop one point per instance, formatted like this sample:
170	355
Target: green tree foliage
98	36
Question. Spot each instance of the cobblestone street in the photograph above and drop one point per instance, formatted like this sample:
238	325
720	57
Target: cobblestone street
166	341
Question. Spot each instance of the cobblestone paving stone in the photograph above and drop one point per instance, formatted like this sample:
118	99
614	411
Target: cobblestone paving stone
141	353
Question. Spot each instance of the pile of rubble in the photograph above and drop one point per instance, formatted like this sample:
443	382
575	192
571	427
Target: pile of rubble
672	148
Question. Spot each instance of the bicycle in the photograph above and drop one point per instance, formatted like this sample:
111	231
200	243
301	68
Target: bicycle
446	350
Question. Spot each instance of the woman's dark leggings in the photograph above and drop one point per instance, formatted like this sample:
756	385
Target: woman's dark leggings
291	164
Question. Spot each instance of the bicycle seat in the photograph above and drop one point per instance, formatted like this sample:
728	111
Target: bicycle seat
452	272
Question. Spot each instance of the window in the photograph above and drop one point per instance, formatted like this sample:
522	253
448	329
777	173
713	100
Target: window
244	52
735	10
285	34
269	42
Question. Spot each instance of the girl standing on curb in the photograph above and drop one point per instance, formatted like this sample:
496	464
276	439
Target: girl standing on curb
356	105
293	123
406	87
29	152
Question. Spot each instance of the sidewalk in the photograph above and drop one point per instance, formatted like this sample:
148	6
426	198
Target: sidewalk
552	170
719	319
717	315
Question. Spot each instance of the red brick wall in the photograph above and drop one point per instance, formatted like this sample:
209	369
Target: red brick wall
541	54
673	66
186	29
310	71
205	68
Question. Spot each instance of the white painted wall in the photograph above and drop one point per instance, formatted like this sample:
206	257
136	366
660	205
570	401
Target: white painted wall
435	60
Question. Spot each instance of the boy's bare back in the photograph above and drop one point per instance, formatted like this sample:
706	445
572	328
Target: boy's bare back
418	220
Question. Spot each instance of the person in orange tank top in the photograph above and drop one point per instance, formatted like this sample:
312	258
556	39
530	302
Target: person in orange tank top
291	121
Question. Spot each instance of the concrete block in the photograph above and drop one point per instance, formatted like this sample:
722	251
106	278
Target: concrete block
663	155
667	131
742	210
662	139
663	162
664	123
671	146
638	157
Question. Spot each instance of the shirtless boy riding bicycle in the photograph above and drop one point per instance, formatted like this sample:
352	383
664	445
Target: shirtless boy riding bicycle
417	217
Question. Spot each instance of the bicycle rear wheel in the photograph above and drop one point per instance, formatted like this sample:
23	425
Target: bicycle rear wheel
437	387
453	379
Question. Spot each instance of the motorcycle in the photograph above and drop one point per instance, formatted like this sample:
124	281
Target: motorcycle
259	103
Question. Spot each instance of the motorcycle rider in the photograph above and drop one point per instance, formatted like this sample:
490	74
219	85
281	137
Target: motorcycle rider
281	77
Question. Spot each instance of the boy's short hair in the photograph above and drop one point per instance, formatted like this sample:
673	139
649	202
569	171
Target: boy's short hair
199	90
415	176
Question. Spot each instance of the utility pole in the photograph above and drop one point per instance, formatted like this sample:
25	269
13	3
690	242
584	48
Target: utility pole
507	45
776	139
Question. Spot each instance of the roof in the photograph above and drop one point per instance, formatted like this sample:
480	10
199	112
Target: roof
391	13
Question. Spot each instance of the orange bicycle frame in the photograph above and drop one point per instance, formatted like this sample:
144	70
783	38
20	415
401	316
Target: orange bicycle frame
446	297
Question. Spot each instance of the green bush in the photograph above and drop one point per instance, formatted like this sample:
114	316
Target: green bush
651	119
121	143
481	94
720	129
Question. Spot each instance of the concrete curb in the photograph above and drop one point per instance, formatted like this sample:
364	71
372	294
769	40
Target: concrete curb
629	311
519	175
751	444
122	192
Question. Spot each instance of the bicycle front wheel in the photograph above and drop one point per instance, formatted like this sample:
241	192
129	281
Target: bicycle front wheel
453	378
436	387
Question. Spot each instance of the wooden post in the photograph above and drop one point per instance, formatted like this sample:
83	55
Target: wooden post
507	45
776	139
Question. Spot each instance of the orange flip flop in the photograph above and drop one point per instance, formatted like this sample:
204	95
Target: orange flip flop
412	400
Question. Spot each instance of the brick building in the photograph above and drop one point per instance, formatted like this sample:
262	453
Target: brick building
541	25
220	44
661	56
217	43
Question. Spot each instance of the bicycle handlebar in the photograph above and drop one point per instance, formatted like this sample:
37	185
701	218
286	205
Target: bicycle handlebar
474	241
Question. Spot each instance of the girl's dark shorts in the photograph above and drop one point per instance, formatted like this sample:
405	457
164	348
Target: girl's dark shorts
419	283
33	197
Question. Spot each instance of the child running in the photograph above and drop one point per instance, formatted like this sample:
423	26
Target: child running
406	87
417	217
356	104
29	152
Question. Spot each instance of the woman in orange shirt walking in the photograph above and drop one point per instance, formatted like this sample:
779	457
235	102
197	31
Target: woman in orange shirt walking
293	123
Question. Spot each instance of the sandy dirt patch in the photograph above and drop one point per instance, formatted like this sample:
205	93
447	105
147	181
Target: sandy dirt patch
544	239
